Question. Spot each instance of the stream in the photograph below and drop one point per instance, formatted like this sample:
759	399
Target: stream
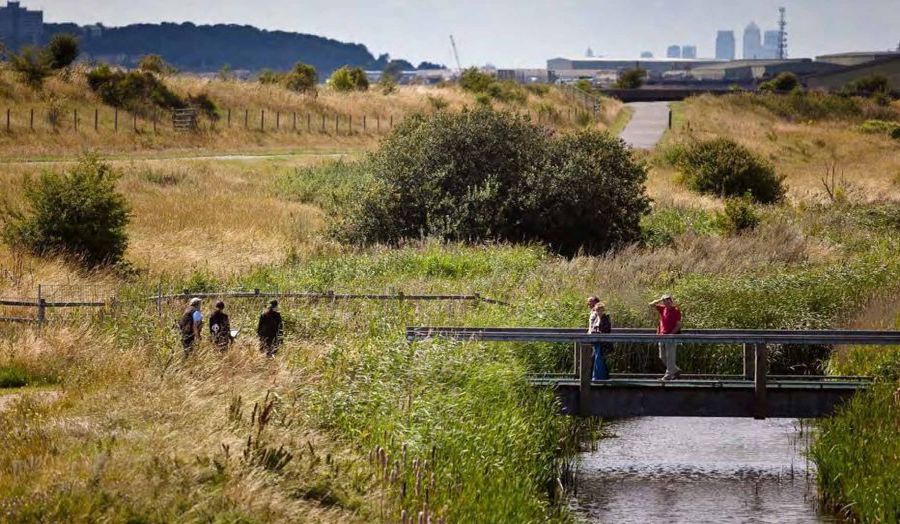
673	469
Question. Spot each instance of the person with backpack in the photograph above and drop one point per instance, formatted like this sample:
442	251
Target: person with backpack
270	329
189	325
599	322
220	327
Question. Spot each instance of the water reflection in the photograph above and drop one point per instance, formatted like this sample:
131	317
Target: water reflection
698	470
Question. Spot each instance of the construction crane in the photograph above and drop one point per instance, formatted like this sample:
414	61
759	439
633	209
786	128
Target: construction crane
456	55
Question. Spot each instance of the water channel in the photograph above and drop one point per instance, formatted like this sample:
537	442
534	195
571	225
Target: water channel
672	469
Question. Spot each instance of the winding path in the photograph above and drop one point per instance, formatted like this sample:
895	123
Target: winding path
647	124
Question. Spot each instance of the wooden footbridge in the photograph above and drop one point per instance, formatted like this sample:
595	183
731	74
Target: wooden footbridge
755	393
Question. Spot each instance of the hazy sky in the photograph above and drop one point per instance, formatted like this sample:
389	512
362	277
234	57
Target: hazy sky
518	33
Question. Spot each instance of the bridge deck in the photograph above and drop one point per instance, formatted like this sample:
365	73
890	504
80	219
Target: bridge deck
752	394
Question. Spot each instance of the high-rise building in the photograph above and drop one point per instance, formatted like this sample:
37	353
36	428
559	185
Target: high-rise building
725	45
589	53
752	42
20	26
646	54
771	43
673	51
688	51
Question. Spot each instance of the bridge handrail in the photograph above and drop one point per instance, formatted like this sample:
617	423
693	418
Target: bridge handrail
798	337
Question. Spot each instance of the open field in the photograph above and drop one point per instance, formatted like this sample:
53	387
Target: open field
252	117
351	423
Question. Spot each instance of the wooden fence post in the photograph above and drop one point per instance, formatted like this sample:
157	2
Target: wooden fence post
41	308
760	410
262	120
116	120
277	120
336	124
75	120
134	122
295	120
378	123
670	118
159	299
308	122
364	123
392	122
349	124
229	118
7	121
323	123
31	124
246	119
96	119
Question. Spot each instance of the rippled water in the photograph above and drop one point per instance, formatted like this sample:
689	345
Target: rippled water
672	469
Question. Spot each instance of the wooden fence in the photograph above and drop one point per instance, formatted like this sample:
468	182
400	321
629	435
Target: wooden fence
258	120
41	305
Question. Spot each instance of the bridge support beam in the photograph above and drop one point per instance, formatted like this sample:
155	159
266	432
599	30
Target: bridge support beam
585	374
760	408
749	360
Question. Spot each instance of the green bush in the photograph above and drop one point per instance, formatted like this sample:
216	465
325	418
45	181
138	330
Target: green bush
13	377
302	78
867	86
31	66
135	91
62	51
739	215
482	175
349	79
631	79
155	64
539	90
268	77
486	87
813	105
724	168
78	214
782	83
585	85
881	127
475	81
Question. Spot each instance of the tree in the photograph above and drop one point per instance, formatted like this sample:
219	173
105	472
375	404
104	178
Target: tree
631	79
78	214
724	168
785	82
31	65
475	81
62	51
349	79
302	78
482	175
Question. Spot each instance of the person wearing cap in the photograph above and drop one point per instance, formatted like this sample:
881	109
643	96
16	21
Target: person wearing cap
669	324
599	322
220	327
190	324
270	329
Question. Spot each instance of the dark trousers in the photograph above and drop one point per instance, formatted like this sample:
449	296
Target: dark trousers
187	343
268	345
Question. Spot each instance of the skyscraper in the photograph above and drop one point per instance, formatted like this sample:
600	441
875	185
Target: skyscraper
19	25
673	51
752	42
646	54
725	45
771	42
688	51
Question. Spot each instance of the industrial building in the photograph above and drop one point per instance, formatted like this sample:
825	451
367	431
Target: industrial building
748	72
20	26
568	69
853	66
725	45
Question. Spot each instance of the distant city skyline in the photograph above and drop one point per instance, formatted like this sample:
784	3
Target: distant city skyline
508	33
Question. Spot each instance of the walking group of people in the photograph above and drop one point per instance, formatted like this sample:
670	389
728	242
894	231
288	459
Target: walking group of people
599	322
269	328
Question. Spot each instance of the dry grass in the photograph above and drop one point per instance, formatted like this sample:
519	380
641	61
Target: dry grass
69	93
870	163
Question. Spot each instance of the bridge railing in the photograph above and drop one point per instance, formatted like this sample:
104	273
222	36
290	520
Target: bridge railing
755	345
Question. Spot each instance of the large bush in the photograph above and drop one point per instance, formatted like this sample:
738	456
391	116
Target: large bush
486	87
62	51
135	91
349	79
724	168
302	78
78	213
482	175
31	66
632	79
782	83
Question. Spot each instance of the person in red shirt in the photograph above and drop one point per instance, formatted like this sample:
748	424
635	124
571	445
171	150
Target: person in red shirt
669	324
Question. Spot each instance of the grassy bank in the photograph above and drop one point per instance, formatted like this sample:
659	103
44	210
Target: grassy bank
353	424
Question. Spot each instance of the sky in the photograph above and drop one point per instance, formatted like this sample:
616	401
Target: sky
518	33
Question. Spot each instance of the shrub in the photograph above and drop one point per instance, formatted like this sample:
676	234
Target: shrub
31	65
349	79
134	91
539	90
660	227
484	175
879	127
782	83
631	79
13	377
475	81
725	168
867	86
78	213
268	77
302	78
205	105
62	51
739	215
584	84
155	64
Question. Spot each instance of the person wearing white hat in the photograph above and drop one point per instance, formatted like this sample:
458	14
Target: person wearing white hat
190	324
669	324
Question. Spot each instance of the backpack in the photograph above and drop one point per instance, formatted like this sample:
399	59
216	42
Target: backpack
186	324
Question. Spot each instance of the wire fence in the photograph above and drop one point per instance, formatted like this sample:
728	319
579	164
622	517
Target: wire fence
111	120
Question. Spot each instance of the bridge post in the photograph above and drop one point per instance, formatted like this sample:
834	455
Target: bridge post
760	408
748	361
585	372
